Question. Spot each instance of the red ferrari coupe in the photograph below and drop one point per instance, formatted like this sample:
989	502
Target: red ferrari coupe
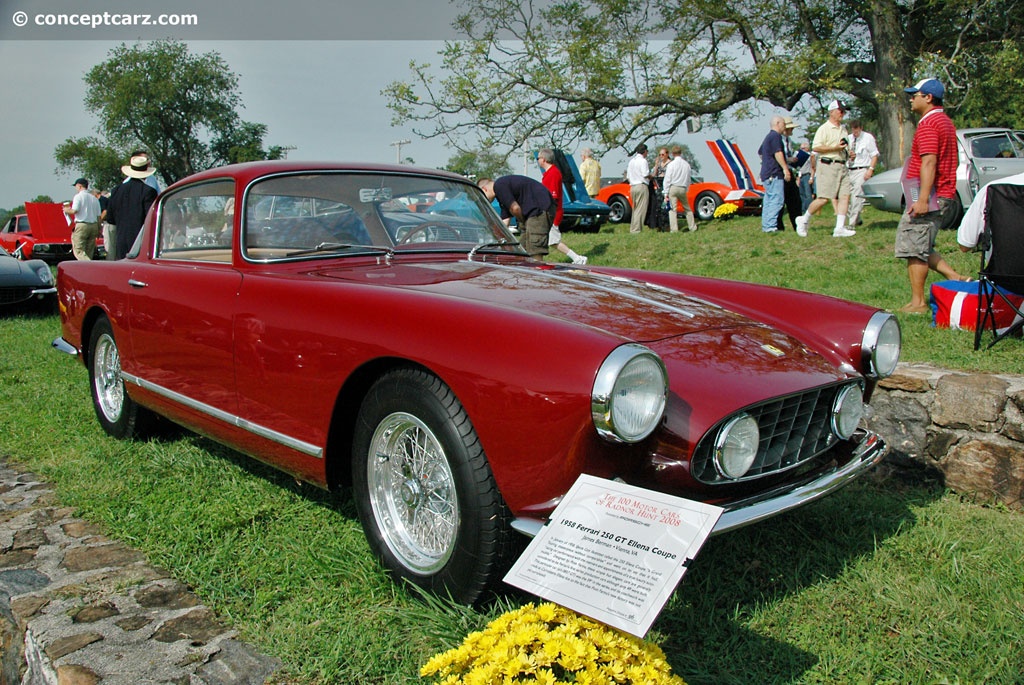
303	314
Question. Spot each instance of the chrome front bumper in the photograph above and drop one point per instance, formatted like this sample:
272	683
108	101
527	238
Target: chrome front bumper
870	449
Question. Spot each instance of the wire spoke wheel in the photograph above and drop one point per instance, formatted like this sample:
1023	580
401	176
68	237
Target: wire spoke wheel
107	382
412	492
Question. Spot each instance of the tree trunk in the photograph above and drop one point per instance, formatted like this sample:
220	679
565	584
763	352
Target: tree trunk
894	71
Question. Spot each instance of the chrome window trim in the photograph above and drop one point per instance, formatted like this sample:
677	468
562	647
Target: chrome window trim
227	417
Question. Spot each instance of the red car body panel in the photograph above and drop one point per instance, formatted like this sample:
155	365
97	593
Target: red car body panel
288	347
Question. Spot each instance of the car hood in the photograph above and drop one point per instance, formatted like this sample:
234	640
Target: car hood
14	272
630	310
48	222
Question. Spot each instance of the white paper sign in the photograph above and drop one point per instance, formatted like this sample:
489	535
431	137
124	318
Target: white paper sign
614	552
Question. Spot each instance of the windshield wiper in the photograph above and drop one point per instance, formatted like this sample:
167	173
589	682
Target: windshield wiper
337	247
486	246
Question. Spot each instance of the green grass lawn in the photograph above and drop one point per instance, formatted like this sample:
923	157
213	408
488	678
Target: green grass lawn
884	582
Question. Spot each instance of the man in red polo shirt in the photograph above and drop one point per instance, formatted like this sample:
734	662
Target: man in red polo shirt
929	183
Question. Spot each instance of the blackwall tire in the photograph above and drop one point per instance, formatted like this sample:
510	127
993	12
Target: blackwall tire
425	494
118	414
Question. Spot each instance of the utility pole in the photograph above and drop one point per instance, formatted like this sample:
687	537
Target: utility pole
398	149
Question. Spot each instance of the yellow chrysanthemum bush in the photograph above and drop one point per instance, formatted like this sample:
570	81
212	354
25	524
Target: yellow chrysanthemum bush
725	210
550	644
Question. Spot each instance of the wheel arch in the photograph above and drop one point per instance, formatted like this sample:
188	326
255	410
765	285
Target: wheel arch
338	454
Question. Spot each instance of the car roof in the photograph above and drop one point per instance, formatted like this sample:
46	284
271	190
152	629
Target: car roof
247	172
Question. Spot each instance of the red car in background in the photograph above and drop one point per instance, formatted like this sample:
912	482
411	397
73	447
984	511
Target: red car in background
42	232
704	197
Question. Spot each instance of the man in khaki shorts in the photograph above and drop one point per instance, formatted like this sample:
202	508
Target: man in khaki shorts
831	176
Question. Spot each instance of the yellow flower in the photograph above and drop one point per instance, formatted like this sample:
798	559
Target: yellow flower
725	210
551	645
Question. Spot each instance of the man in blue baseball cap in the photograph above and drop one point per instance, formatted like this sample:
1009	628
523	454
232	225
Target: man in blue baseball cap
930	187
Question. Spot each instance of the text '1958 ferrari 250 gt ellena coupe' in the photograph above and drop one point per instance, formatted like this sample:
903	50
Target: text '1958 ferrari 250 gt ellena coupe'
377	327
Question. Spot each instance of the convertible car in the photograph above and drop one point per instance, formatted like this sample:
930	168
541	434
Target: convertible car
25	282
704	197
306	315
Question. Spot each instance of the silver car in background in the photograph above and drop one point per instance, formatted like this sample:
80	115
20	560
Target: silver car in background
986	154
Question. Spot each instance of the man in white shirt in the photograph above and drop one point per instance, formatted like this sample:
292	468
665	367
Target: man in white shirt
677	183
973	223
638	173
863	158
86	210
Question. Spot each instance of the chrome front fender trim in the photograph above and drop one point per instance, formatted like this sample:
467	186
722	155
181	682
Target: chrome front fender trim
869	452
221	415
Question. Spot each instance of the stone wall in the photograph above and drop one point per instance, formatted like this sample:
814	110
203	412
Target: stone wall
967	427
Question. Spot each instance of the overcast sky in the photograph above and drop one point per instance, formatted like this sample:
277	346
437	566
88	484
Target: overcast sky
321	96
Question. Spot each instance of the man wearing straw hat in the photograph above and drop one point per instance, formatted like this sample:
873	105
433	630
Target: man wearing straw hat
129	204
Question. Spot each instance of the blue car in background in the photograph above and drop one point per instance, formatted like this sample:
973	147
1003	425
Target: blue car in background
580	211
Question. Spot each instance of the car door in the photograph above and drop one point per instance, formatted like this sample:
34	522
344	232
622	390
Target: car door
997	154
182	302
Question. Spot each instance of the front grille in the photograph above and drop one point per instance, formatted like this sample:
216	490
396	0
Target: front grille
794	429
14	295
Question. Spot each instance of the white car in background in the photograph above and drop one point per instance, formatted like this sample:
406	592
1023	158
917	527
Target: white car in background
986	154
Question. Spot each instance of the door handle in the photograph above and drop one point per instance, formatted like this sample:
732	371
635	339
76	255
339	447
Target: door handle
137	284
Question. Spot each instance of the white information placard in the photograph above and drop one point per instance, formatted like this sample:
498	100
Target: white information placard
614	552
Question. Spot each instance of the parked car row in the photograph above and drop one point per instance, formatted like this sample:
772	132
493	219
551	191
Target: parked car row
379	340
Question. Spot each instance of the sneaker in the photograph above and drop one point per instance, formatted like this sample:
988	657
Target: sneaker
843	233
801	226
579	260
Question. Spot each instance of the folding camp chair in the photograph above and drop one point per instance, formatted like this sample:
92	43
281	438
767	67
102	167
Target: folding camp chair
1001	276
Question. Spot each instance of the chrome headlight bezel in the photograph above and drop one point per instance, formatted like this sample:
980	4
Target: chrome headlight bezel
847	411
881	345
630	394
736	446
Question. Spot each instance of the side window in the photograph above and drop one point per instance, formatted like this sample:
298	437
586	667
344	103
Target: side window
197	223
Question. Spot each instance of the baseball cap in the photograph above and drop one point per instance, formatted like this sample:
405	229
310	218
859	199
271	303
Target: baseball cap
928	86
82	182
837	104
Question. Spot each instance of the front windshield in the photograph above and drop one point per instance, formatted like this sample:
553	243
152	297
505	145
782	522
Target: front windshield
306	215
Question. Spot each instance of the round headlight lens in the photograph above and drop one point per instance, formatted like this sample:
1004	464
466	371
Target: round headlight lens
736	446
847	411
629	394
881	345
45	275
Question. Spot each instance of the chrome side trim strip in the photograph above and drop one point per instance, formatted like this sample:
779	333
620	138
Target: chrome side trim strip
221	415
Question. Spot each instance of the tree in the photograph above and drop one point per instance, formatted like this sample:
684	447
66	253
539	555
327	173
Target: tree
478	164
588	70
180	107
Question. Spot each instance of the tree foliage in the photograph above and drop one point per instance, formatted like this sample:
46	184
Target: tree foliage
616	72
478	164
179	106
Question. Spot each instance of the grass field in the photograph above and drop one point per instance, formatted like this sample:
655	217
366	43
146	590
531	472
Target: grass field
884	582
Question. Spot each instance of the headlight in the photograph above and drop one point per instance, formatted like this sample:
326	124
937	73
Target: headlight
880	348
847	411
45	275
736	446
629	394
